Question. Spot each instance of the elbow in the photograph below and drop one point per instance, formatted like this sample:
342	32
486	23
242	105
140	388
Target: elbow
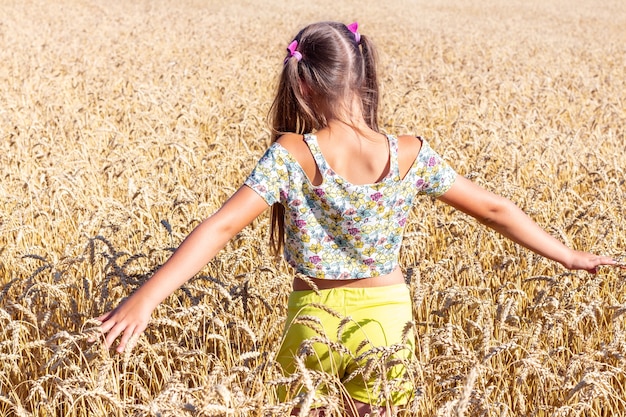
486	207
496	211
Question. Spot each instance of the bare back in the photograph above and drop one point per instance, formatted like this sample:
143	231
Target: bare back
366	162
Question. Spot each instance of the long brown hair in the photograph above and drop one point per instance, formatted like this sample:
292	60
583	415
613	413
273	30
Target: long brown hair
334	67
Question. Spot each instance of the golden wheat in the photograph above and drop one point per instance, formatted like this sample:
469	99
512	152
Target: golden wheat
122	125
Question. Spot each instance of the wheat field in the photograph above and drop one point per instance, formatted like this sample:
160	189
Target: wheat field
123	124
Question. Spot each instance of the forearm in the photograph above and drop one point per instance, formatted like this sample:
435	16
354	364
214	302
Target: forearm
131	316
503	216
511	222
202	244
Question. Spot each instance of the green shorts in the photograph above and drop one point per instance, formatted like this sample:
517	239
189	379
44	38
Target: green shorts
363	336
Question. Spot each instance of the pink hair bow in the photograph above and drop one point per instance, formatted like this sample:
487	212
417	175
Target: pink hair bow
354	27
292	51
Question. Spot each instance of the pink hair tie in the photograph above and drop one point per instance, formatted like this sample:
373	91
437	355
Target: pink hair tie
354	27
292	51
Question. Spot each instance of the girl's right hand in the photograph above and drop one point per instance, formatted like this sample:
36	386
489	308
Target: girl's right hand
129	319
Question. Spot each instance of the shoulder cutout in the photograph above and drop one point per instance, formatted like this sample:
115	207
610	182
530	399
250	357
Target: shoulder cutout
408	149
298	148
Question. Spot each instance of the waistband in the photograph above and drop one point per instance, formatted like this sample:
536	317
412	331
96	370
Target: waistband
348	296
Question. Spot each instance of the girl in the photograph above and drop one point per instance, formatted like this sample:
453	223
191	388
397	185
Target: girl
339	192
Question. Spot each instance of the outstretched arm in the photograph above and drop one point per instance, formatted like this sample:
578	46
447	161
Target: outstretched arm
131	317
503	216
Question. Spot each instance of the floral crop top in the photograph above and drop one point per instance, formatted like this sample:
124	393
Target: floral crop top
338	230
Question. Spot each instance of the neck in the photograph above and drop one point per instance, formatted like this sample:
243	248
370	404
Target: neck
351	116
358	131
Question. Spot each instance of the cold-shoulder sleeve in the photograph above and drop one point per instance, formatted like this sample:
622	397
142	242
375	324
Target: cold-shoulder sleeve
433	175
270	177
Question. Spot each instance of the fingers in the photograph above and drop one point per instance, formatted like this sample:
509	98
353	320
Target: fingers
111	329
597	261
605	260
125	332
112	332
105	316
128	341
128	334
589	262
104	330
97	331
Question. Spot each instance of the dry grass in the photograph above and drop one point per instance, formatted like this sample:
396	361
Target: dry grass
121	126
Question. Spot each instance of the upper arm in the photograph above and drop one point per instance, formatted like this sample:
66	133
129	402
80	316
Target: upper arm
240	210
429	172
270	178
472	199
408	149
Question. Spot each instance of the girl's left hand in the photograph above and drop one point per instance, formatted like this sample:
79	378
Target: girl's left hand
587	261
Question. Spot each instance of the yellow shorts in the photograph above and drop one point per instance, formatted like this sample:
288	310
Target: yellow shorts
359	335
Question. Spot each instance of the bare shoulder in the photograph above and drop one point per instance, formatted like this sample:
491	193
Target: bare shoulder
408	149
294	144
409	143
298	148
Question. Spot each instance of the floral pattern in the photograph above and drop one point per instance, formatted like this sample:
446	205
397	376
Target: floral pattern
339	230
